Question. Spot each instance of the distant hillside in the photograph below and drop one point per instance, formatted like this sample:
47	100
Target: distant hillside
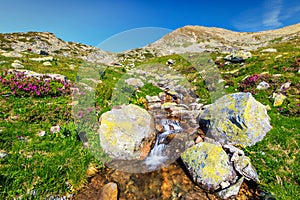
199	39
182	40
48	43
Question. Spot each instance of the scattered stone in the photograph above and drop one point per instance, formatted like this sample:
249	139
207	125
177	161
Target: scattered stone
36	75
127	132
279	56
12	54
134	82
17	65
238	57
208	165
269	50
263	85
196	106
47	63
244	167
109	192
285	86
168	105
235	119
233	149
91	171
3	154
42	133
278	99
231	191
153	106
55	129
42	59
152	99
170	62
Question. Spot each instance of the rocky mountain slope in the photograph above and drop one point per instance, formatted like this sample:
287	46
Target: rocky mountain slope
199	39
182	40
48	43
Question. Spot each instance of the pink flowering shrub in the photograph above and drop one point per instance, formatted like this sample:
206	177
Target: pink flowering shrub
21	85
249	84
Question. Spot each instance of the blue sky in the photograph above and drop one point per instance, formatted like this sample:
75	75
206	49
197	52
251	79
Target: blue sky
94	21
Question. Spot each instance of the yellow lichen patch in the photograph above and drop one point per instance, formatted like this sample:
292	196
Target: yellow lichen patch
208	163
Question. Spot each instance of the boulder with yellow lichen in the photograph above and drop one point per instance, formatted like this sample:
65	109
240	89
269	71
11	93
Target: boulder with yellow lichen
208	165
127	133
235	119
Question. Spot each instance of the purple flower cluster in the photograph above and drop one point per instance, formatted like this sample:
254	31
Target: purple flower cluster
251	82
21	85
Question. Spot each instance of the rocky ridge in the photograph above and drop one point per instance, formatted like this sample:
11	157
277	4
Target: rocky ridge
46	43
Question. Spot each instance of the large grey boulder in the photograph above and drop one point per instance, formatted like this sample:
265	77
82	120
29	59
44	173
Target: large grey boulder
209	165
127	133
235	119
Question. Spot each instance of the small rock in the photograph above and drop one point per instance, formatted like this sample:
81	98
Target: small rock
17	65
42	133
269	50
224	184
43	59
109	192
152	99
233	190
279	56
3	154
196	106
134	82
263	86
47	63
168	105
153	106
244	167
278	99
285	86
170	62
55	129
12	54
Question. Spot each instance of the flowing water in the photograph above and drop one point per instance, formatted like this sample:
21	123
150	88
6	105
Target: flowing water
157	155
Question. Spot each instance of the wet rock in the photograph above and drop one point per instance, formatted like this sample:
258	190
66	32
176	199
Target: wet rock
244	167
134	82
193	195
127	132
109	192
269	50
233	190
208	164
168	105
152	99
263	85
235	119
278	99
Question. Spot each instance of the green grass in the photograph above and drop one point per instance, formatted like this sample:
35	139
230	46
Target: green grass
276	157
57	163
